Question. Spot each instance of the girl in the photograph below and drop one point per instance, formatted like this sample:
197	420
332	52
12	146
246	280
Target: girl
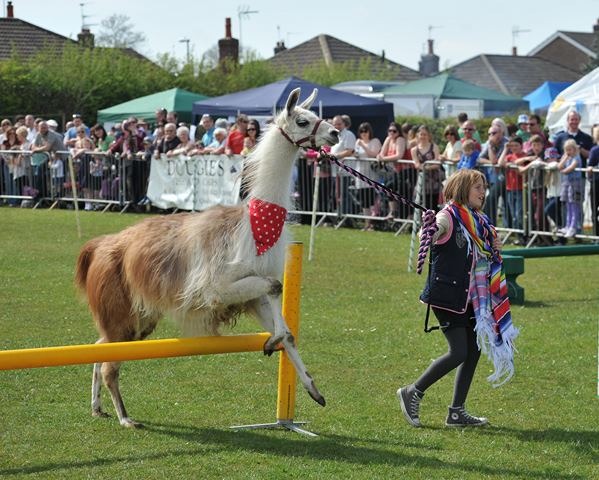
367	147
393	150
426	158
464	259
532	167
253	132
572	187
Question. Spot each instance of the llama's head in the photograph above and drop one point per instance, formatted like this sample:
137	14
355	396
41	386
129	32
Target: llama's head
303	127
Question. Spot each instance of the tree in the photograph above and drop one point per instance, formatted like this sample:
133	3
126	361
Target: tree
117	31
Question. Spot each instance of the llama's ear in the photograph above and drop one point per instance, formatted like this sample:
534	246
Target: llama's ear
307	103
292	100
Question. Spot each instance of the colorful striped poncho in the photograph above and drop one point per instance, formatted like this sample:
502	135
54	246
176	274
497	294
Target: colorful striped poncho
494	329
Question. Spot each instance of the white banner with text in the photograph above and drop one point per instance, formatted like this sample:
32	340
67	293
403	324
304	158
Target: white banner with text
195	183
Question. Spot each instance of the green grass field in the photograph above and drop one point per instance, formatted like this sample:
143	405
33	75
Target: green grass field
361	336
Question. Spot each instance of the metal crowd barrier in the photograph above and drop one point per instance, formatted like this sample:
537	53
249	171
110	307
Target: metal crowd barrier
101	180
106	181
531	215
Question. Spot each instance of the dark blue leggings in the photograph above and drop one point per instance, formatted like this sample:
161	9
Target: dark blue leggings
463	354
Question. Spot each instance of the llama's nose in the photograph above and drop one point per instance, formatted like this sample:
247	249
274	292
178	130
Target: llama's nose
334	133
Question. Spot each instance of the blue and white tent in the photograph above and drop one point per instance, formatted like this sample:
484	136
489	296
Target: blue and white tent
540	98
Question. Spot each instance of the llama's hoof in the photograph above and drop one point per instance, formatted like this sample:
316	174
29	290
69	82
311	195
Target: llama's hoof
268	351
271	344
128	423
276	287
99	414
316	396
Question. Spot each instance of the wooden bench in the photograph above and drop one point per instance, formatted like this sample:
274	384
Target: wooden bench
513	263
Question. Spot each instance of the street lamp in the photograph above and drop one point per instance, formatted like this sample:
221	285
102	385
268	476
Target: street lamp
186	42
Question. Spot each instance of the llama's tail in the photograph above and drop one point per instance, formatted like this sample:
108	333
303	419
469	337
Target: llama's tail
86	256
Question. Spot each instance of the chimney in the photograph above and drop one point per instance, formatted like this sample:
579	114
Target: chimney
10	11
228	47
514	51
280	46
429	63
85	38
228	28
595	27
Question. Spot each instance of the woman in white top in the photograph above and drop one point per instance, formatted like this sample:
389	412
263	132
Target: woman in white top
367	147
186	145
453	149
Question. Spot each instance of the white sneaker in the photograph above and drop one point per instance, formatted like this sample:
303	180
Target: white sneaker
571	232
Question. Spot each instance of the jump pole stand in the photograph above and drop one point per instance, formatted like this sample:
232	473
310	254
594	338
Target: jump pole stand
287	377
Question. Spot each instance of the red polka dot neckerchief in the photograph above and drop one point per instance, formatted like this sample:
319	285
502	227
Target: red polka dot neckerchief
267	221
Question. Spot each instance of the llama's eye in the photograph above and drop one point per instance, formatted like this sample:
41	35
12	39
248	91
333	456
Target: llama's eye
302	122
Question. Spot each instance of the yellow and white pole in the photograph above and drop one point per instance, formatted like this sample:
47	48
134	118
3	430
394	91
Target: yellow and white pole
122	351
292	280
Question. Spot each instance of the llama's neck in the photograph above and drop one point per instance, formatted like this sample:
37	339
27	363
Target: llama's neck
274	157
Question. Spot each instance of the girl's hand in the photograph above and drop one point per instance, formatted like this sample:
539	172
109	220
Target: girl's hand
497	244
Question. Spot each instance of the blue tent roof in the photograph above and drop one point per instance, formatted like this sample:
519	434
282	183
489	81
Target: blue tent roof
262	100
541	97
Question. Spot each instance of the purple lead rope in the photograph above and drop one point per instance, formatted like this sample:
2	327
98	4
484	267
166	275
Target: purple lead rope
429	225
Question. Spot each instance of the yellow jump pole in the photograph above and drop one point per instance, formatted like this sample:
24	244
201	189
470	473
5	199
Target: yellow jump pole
121	351
292	279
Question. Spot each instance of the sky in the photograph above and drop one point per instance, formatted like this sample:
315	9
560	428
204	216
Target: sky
460	30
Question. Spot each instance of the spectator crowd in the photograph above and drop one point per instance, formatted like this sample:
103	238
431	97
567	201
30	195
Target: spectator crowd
531	176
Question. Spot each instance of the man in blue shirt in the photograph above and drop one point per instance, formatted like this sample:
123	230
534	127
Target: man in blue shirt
583	140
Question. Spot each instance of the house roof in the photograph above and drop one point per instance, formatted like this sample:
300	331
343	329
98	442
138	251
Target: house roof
582	40
512	75
328	49
26	39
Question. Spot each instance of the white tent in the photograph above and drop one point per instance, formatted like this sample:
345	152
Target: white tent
582	96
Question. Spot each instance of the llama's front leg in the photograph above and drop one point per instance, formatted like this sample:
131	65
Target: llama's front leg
267	308
300	368
247	289
269	313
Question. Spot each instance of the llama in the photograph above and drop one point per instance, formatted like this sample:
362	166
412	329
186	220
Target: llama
204	269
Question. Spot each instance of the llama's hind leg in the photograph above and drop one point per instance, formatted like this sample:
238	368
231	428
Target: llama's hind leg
96	388
268	312
110	375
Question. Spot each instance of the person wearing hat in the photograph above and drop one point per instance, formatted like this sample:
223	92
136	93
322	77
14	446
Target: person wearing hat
522	131
52	124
